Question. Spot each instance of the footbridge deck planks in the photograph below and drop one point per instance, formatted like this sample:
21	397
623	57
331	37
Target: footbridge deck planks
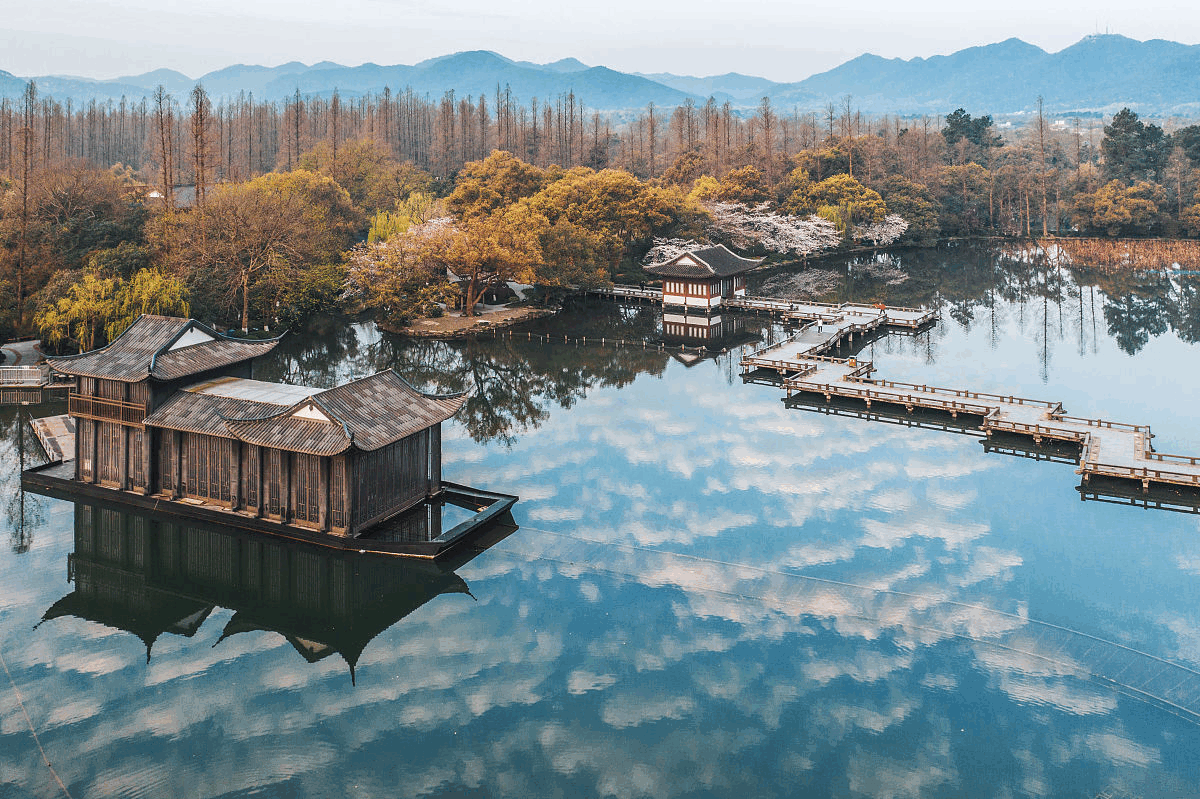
1107	448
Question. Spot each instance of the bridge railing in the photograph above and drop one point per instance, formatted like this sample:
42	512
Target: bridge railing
958	392
24	375
1107	425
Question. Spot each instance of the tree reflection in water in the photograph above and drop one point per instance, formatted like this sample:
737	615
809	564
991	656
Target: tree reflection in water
23	512
514	382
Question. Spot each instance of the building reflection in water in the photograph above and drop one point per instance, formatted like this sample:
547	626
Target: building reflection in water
716	332
151	576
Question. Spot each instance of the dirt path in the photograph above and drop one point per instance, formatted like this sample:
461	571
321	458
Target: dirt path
454	326
22	353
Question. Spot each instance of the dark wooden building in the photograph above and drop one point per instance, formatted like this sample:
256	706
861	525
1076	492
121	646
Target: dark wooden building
703	278
169	408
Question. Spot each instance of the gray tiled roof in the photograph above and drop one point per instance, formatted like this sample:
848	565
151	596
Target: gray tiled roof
194	412
369	413
143	350
708	262
208	355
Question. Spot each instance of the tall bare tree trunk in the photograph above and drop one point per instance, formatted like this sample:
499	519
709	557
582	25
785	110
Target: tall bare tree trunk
164	118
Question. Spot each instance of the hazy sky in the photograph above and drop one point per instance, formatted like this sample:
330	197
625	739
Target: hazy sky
779	39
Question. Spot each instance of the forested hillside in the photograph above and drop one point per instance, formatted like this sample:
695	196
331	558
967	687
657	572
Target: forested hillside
258	214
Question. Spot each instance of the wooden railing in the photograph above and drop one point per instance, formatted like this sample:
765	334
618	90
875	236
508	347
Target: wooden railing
1143	474
1037	430
958	392
106	410
908	400
632	291
24	375
1107	425
1158	456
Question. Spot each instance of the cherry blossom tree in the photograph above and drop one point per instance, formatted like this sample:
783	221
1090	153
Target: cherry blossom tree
882	233
747	226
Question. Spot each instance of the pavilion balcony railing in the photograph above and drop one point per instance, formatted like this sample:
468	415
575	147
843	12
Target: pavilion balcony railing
106	410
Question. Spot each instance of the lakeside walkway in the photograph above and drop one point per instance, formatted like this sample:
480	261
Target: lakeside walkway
802	365
1107	448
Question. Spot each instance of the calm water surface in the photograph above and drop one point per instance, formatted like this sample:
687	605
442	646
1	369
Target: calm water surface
709	594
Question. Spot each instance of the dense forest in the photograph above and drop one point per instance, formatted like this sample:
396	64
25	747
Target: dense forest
255	215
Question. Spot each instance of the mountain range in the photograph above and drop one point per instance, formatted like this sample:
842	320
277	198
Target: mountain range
1096	76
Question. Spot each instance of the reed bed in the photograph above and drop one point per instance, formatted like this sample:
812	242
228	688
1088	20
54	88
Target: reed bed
1127	254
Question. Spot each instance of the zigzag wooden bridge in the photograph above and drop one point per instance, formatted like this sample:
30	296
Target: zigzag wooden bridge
1107	449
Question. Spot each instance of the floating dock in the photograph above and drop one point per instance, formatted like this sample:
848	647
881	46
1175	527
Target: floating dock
1106	448
57	436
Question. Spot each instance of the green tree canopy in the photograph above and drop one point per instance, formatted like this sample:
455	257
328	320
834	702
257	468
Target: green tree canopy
841	199
1132	149
95	309
268	227
978	131
1117	209
372	177
496	182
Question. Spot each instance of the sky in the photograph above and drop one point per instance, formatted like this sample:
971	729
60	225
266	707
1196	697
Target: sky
784	40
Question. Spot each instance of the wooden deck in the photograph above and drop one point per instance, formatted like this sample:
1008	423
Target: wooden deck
1106	448
850	317
486	508
57	436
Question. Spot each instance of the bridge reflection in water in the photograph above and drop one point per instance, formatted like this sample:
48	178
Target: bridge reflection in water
1181	499
152	576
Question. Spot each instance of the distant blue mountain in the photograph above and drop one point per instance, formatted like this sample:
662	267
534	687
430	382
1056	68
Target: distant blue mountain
731	85
1097	75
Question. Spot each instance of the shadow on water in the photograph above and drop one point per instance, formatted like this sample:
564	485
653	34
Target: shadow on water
151	577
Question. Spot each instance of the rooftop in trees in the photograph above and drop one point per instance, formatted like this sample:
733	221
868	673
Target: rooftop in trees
709	262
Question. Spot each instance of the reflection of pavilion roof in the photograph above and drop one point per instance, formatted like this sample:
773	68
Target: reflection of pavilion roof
149	576
718	261
367	413
162	347
123	601
316	637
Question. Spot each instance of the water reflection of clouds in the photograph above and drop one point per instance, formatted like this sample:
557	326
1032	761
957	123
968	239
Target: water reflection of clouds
678	673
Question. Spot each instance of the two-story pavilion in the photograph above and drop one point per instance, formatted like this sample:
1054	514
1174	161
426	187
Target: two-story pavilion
169	409
703	278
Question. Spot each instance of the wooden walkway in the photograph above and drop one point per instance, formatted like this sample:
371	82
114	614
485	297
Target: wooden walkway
1107	449
851	317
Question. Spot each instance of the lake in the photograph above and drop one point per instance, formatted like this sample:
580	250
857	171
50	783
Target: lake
710	593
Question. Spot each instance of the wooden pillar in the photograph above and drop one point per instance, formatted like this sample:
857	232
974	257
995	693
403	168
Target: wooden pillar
348	509
323	492
95	476
287	501
123	463
263	462
176	464
435	458
235	477
81	430
148	450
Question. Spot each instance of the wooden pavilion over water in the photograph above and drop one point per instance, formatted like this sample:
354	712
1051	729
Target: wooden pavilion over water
169	409
703	278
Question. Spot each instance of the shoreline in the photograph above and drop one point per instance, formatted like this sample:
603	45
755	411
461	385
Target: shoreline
455	326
